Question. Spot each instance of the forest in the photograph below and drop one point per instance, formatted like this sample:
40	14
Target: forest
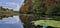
44	12
6	12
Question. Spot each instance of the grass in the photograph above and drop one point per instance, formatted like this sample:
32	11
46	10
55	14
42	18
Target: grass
52	23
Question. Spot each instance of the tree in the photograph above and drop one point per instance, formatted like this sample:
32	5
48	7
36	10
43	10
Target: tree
1	7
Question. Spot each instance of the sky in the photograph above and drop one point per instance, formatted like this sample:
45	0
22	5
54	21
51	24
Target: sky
11	4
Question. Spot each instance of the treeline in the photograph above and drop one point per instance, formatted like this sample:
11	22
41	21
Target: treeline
44	7
47	8
5	10
41	10
41	6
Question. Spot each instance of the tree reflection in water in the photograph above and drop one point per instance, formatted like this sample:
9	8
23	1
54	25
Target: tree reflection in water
4	16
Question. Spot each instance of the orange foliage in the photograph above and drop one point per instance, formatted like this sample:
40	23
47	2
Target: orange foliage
25	7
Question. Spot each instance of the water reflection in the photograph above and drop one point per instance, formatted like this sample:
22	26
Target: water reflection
11	22
4	16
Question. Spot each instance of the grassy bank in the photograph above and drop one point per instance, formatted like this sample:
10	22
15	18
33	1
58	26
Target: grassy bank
52	23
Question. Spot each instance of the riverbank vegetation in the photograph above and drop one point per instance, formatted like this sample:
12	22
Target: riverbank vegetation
49	12
43	10
6	12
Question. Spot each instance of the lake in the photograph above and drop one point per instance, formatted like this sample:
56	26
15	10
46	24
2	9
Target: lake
11	22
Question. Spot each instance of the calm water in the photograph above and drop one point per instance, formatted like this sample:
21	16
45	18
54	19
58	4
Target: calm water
11	22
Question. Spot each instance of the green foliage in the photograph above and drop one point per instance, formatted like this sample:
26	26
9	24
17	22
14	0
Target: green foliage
38	6
52	23
55	9
39	9
0	7
5	9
